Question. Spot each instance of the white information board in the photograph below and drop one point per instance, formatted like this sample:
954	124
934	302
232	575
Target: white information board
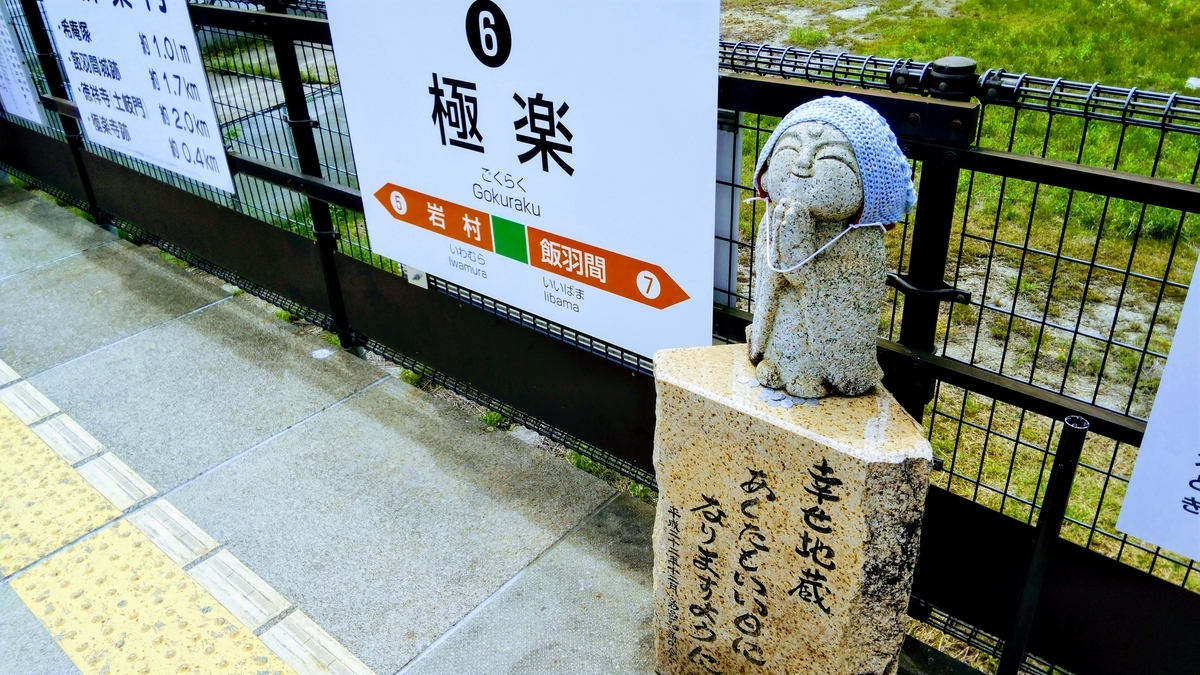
557	156
138	79
18	95
1162	504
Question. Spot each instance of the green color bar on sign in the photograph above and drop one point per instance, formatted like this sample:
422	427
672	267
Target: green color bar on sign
509	239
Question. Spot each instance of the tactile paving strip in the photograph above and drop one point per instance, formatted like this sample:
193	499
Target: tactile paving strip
7	374
44	503
26	402
68	439
117	605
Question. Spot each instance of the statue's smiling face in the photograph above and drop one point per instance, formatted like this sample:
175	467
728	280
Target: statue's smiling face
814	164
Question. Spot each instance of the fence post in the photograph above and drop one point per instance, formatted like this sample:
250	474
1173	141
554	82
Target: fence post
48	60
926	269
302	125
1054	508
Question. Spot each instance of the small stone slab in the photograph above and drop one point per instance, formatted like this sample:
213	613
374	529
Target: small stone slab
182	540
71	441
309	650
239	589
785	538
116	481
26	402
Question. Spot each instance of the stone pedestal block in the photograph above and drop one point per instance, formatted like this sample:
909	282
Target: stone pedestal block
786	534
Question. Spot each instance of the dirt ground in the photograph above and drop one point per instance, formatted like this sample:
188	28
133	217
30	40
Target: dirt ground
771	21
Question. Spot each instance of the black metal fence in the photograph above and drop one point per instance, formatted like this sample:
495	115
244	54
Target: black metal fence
1041	278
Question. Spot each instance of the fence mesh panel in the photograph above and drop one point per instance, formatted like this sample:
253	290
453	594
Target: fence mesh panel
1076	293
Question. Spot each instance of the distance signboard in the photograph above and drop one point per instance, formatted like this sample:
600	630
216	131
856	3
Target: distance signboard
18	95
1162	503
138	78
555	156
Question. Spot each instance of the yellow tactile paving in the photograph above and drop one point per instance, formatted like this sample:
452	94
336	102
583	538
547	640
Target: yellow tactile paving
117	605
44	503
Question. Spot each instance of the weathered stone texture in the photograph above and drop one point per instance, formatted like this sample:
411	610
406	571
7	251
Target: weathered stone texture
814	326
746	490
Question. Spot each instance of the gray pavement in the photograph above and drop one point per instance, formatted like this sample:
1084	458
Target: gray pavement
25	646
583	607
195	391
401	525
81	303
390	516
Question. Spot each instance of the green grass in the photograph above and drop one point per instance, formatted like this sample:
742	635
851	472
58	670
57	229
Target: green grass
639	491
492	418
807	37
284	315
181	264
1150	44
412	378
331	339
584	463
251	57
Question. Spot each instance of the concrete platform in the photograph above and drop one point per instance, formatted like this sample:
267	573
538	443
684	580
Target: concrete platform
390	516
83	302
25	646
188	394
340	514
27	243
345	521
583	607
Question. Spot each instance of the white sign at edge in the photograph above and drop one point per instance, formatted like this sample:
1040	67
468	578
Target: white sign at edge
1166	472
18	95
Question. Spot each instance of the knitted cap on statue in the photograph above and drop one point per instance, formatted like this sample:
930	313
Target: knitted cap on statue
834	179
888	193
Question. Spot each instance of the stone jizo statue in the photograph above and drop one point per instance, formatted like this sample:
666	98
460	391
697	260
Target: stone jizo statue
834	181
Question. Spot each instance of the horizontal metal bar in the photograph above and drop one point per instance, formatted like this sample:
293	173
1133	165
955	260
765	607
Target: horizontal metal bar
60	105
1031	397
1079	261
730	324
911	118
602	402
1116	184
317	188
299	28
1092	101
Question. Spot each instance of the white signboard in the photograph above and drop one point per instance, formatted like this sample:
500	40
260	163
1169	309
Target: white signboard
1162	504
557	156
138	79
18	96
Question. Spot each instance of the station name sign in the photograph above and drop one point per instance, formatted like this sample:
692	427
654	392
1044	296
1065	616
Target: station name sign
524	150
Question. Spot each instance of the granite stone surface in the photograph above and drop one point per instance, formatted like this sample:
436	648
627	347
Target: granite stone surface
785	537
583	607
815	322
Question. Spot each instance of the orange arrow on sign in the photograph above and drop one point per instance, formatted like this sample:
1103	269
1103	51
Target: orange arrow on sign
621	275
437	215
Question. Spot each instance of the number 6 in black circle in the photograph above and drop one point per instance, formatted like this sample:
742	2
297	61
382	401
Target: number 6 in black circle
488	33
